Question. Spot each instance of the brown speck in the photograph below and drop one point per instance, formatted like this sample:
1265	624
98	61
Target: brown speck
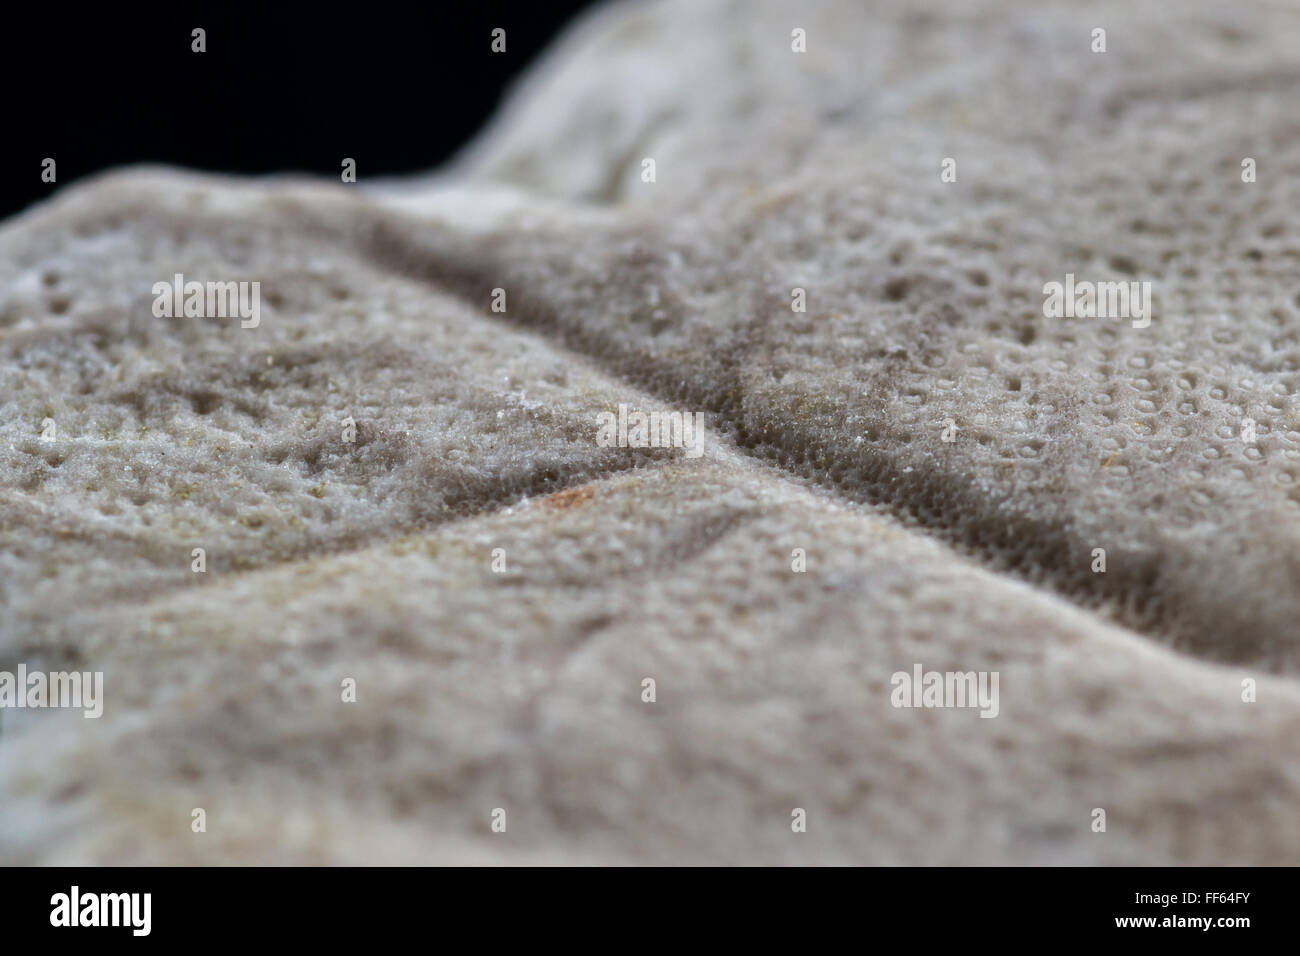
568	498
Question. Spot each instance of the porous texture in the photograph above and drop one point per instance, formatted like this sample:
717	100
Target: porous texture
476	431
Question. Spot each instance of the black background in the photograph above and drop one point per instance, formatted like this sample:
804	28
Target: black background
922	909
281	88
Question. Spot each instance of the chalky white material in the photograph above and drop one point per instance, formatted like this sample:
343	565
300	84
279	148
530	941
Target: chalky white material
499	585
